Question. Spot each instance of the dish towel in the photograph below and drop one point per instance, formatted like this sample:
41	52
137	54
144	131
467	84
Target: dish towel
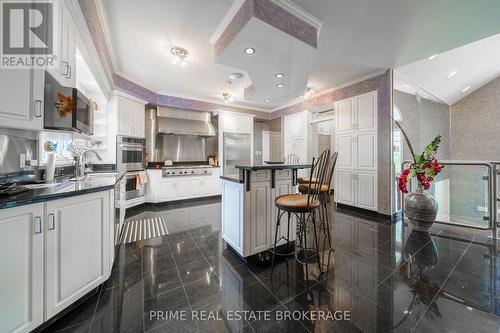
140	179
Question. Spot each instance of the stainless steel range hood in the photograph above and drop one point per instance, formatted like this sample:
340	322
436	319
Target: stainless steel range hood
184	122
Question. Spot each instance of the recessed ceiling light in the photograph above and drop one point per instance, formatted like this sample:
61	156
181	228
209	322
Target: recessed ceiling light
267	100
465	89
249	50
452	73
279	75
432	56
280	85
236	76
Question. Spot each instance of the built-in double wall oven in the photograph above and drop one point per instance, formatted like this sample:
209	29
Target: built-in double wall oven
130	158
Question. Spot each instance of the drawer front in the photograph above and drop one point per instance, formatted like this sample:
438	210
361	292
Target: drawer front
283	174
260	176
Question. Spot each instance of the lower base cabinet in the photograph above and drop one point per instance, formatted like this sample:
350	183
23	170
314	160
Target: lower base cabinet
77	248
76	233
21	268
356	188
180	188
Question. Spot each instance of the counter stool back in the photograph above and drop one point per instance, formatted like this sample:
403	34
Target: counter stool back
303	206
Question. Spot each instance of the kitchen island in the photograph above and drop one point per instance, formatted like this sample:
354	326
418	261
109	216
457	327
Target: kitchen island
248	211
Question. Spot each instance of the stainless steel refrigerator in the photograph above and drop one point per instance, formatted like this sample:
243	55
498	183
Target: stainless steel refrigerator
237	151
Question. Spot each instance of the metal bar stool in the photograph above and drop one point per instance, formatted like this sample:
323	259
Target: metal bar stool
324	196
304	207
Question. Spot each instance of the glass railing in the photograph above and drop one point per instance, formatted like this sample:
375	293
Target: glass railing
465	193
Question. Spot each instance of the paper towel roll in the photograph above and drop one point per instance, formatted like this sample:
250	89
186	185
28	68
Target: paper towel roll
50	166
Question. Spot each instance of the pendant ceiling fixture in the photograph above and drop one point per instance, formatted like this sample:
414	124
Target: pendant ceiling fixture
180	54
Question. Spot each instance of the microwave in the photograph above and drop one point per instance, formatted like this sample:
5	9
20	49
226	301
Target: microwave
66	108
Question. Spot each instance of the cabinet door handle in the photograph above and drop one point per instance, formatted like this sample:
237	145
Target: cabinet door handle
38	225
70	71
52	221
66	68
38	108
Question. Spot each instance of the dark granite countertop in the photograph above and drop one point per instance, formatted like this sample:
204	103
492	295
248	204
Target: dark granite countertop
256	167
232	179
62	188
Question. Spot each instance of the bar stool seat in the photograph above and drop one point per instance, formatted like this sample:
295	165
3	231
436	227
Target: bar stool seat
305	180
296	203
304	188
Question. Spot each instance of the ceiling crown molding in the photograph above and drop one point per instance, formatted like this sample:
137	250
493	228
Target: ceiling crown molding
226	20
300	13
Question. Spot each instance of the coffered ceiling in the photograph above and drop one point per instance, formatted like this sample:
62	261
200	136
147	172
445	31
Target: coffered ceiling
356	38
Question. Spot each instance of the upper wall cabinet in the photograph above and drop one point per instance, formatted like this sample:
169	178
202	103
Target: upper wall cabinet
64	32
130	117
230	122
358	113
296	125
21	98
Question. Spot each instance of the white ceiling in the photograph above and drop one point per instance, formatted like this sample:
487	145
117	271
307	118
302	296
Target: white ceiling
475	64
357	38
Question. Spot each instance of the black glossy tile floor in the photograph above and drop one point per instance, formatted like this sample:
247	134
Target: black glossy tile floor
387	277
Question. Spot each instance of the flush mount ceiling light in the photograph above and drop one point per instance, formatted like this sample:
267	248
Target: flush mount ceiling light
180	54
452	73
227	97
249	51
236	76
280	85
279	75
432	57
465	89
267	100
309	92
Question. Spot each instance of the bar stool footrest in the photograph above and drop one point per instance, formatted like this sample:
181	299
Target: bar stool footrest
312	254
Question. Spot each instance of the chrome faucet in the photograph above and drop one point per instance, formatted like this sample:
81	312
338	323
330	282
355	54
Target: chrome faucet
80	163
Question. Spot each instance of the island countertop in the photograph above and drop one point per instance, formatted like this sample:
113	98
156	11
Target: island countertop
62	188
256	167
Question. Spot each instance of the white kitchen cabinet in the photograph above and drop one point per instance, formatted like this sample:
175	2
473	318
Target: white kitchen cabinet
296	125
167	191
365	147
130	117
365	116
21	98
356	188
233	122
296	128
77	250
346	149
233	219
345	116
21	268
174	190
366	189
59	251
183	187
344	187
261	202
356	142
63	68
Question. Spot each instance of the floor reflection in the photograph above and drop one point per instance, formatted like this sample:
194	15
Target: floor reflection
389	277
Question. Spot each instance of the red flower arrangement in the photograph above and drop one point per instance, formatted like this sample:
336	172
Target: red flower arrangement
425	166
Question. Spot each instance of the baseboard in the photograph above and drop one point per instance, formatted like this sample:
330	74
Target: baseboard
364	213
